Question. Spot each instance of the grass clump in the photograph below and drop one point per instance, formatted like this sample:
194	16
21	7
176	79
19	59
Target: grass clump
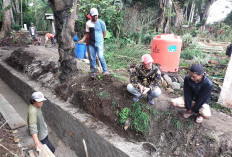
104	95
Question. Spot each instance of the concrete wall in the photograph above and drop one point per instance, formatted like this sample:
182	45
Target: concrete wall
68	127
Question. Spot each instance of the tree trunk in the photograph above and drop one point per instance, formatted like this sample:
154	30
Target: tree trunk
160	22
22	13
206	14
12	15
35	12
64	23
15	6
6	26
191	13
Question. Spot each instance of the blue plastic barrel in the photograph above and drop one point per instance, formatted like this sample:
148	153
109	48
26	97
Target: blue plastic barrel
80	50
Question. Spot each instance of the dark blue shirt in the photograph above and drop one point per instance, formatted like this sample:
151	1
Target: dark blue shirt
199	92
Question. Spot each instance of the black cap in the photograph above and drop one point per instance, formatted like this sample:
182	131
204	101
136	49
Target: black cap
197	69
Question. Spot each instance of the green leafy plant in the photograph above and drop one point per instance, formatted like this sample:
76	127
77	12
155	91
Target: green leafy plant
124	115
104	95
137	115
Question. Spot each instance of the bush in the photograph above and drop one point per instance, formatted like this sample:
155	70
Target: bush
187	39
15	27
192	52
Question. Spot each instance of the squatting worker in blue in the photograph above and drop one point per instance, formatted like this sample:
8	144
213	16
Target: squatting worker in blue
36	124
145	80
96	30
197	92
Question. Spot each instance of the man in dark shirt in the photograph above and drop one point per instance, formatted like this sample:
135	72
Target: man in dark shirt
197	92
144	80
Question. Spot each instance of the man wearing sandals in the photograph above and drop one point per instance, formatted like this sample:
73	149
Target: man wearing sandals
197	91
145	79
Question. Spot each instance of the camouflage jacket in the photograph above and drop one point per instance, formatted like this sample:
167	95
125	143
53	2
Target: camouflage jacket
148	78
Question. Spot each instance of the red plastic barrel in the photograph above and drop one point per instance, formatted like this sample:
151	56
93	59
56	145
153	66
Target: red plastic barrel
165	51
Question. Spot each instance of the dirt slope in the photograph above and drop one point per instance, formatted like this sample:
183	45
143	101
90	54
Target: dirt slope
170	134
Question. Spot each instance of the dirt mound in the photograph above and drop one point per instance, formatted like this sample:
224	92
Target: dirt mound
16	40
169	132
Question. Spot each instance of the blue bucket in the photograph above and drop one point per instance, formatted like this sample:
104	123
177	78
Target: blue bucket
80	51
75	38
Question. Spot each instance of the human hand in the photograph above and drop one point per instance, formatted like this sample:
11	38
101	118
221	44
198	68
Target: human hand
145	90
80	41
141	88
38	146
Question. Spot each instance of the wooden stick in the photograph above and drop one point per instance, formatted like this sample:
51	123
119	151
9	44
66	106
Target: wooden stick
2	125
8	150
86	151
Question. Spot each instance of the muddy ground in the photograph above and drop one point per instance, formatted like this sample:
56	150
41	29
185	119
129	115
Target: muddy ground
170	134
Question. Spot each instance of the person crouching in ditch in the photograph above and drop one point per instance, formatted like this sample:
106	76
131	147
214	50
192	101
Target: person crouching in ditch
37	126
145	79
197	92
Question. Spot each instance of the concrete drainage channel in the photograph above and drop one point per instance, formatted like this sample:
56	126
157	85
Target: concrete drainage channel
71	124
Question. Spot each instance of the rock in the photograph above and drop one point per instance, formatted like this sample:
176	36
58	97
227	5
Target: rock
175	85
170	90
165	83
213	62
168	79
85	60
180	79
174	79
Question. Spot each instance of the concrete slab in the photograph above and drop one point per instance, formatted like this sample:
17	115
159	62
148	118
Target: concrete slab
13	119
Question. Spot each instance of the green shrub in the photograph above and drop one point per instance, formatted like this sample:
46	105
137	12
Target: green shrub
191	52
138	117
187	39
15	27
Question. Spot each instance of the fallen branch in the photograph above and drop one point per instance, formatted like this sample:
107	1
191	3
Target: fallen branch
8	150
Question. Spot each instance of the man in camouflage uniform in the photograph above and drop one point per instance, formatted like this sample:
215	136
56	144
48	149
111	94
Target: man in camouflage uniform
145	79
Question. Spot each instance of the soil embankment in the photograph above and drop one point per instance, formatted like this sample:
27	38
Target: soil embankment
169	133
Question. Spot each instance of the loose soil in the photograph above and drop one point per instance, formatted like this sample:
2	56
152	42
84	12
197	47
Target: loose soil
170	134
8	146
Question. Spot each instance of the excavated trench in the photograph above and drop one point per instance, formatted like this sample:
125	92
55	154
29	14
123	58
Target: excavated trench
73	111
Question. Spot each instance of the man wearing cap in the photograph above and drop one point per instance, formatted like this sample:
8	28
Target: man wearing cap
145	79
37	126
96	30
197	92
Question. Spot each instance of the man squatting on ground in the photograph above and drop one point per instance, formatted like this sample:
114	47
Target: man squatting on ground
197	92
96	31
145	79
36	124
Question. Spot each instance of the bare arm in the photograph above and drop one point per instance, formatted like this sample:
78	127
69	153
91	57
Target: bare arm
104	34
84	38
36	141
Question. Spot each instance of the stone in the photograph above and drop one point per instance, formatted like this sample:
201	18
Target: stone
12	117
213	61
174	79
175	85
168	79
180	79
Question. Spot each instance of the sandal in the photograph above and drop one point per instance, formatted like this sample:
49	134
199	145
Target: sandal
187	115
199	119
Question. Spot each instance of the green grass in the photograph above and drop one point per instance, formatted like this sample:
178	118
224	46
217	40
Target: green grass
104	95
120	57
221	108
